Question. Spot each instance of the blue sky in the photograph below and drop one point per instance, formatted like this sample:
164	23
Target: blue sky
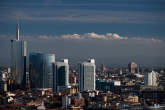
141	21
128	17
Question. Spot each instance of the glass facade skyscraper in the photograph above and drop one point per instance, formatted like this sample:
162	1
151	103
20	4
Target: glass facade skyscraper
41	69
87	75
18	60
61	76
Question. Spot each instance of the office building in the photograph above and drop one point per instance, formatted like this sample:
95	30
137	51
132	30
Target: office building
121	71
107	85
18	60
4	76
66	101
87	75
61	76
103	68
150	79
41	69
132	67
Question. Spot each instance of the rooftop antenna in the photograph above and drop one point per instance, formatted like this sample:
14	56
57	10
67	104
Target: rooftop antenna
17	30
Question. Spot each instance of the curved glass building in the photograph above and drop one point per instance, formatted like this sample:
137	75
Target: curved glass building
41	69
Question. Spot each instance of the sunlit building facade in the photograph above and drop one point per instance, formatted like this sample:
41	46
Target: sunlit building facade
87	72
151	78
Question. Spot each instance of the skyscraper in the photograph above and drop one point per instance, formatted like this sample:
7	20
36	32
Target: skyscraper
41	69
87	75
132	67
150	79
61	76
18	59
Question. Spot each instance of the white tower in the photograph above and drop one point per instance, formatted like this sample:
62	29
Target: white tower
150	79
87	75
17	31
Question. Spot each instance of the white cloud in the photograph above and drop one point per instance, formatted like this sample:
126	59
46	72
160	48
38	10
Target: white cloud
86	36
116	36
94	36
71	36
107	37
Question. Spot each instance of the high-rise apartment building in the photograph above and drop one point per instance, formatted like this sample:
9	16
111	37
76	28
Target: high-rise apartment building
61	76
18	60
150	79
87	75
41	70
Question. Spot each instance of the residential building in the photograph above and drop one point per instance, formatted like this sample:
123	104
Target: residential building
87	75
150	78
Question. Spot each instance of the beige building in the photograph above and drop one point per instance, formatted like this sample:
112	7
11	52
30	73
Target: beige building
132	67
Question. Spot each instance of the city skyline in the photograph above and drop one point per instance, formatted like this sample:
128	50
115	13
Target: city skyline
82	54
112	32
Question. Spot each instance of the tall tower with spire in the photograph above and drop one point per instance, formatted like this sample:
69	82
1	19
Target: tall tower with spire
17	31
18	60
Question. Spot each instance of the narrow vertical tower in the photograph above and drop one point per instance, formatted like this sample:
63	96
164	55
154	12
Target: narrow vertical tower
61	76
17	31
18	58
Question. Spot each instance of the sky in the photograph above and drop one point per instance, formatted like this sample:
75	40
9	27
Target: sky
114	32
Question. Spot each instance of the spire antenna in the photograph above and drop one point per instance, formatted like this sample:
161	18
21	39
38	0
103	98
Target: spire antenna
17	31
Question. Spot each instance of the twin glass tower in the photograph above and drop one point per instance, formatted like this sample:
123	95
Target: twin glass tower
18	60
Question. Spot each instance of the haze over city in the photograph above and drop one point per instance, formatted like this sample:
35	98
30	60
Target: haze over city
114	32
82	55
